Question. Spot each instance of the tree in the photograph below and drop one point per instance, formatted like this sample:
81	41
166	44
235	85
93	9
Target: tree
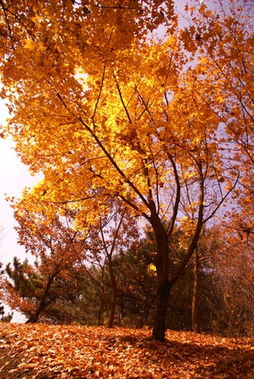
64	256
29	291
195	296
137	281
228	46
55	247
234	267
105	113
3	316
113	234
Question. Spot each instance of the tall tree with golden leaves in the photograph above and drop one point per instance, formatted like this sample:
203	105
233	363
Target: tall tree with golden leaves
103	109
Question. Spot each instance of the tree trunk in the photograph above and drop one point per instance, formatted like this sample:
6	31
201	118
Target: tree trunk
163	285
101	309
195	295
111	320
159	328
145	313
42	304
34	317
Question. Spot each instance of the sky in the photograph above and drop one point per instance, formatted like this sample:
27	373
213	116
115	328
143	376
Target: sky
14	177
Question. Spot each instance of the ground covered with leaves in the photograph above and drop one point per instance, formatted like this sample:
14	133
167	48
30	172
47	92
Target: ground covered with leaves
43	351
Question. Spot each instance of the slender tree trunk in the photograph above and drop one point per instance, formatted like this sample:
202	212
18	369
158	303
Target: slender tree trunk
102	303
35	316
145	314
195	295
163	285
111	320
42	304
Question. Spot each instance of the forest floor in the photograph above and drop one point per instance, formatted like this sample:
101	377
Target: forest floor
47	351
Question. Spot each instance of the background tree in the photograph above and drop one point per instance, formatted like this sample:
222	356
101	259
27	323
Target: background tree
234	268
53	244
25	290
114	233
3	316
137	281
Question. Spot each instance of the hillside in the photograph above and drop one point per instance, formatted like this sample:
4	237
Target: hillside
43	351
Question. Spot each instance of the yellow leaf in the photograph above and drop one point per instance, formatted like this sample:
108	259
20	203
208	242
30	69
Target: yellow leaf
29	44
152	267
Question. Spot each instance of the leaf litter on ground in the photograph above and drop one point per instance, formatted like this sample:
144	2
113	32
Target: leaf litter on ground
43	351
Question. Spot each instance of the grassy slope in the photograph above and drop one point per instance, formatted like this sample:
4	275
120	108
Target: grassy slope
43	351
